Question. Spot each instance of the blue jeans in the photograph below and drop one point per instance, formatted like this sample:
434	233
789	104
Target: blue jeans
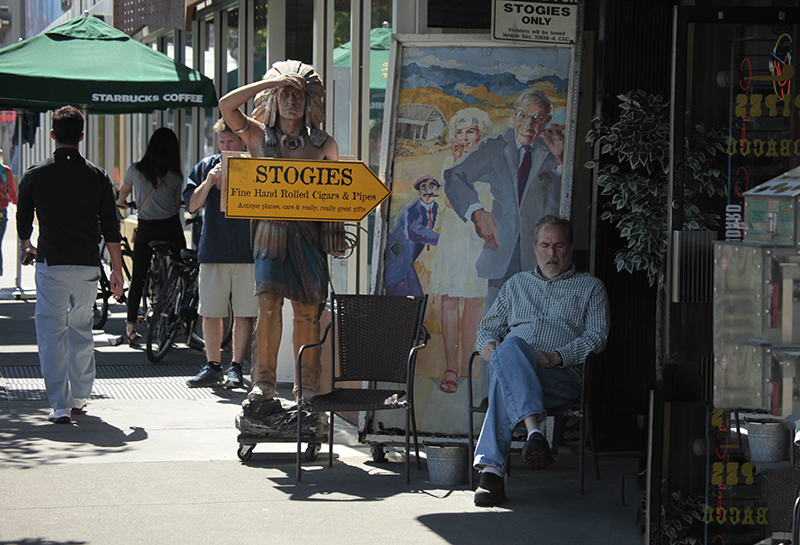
64	297
518	388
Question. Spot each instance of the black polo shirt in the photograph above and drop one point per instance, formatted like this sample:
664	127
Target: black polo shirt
70	196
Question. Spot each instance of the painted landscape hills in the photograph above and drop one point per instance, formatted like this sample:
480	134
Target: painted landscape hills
452	89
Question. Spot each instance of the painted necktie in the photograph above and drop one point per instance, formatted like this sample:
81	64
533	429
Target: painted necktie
430	223
524	170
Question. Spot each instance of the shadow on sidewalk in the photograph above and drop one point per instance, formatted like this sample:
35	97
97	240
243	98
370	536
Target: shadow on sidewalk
542	507
349	480
24	424
41	541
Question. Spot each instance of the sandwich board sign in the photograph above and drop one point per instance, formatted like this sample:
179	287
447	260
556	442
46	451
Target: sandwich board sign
299	189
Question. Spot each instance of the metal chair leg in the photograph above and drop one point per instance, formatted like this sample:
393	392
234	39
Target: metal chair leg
581	449
408	449
416	439
592	443
471	422
299	446
330	440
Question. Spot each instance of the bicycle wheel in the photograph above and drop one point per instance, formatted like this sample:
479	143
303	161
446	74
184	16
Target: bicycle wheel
197	339
127	257
165	322
155	279
100	307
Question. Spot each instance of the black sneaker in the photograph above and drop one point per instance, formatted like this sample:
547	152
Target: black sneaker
491	490
206	377
233	376
536	452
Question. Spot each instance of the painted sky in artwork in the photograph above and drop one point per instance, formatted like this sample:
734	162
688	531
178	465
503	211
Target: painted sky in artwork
503	71
514	68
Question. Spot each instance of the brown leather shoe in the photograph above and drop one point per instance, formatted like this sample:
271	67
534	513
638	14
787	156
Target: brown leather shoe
261	391
491	490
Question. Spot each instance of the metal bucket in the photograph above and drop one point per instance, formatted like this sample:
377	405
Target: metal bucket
447	464
769	440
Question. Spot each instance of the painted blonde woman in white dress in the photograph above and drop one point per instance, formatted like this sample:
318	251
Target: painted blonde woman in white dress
453	274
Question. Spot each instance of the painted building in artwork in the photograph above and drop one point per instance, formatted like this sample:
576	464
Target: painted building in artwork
420	122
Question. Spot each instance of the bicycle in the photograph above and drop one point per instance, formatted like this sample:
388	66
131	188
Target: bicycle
159	272
175	311
155	278
101	305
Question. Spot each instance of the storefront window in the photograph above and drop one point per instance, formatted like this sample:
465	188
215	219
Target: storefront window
206	42
740	79
340	94
231	60
259	54
380	41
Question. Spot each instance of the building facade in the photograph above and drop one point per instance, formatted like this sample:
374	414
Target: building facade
724	64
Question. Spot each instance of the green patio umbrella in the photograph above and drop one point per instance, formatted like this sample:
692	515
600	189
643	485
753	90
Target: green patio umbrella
97	68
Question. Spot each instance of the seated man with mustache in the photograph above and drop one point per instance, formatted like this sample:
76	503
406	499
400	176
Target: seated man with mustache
536	336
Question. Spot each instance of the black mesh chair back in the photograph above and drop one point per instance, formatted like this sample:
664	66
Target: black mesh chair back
375	334
374	340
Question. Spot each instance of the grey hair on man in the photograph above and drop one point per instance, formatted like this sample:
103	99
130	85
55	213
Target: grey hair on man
534	96
554	221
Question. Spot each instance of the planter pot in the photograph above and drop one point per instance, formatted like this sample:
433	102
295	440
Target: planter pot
769	440
447	464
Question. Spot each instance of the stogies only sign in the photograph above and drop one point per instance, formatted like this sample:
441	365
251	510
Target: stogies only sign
552	22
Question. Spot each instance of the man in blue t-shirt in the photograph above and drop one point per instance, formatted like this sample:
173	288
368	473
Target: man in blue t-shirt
226	267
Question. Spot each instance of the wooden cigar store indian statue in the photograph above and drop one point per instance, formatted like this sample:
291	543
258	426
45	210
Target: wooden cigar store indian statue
290	256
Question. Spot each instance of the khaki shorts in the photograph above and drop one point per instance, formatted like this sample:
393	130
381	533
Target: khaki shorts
216	281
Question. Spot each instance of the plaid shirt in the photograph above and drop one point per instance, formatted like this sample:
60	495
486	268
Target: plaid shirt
567	314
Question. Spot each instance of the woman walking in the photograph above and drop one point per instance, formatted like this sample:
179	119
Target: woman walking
156	183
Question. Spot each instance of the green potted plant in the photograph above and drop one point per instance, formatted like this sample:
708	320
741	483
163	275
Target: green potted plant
633	170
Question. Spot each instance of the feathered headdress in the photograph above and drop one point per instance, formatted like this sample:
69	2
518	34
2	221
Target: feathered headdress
307	79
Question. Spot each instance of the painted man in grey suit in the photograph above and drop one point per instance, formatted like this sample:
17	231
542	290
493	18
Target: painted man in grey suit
523	167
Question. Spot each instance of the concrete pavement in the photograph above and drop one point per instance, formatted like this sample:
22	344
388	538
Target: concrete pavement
152	461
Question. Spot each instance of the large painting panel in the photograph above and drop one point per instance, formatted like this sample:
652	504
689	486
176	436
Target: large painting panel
461	212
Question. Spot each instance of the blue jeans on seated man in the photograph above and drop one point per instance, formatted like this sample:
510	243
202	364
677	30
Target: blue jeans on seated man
518	388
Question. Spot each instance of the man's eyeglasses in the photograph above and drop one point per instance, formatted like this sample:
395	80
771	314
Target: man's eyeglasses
522	117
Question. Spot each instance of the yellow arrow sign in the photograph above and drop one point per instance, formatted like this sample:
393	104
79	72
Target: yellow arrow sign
294	189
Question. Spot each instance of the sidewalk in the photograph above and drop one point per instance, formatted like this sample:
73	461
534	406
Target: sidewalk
152	461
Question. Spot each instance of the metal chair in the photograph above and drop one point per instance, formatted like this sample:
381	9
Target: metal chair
578	408
376	339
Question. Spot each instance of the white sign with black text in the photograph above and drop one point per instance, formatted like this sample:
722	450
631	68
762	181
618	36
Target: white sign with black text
521	20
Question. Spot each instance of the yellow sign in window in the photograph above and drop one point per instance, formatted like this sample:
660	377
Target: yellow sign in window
293	189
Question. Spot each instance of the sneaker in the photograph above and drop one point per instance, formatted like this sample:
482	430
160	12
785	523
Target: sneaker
233	376
536	452
206	377
60	416
491	490
78	405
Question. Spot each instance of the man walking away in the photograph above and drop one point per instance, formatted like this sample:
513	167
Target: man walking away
70	196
